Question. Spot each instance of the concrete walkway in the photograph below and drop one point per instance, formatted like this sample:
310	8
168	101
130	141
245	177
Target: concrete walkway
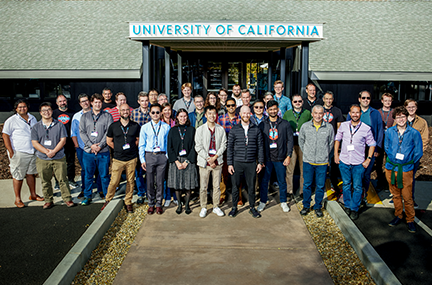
182	249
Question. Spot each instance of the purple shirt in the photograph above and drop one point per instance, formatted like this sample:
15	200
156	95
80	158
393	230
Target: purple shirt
360	135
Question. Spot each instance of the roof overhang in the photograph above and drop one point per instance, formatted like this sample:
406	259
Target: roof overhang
370	76
225	36
71	74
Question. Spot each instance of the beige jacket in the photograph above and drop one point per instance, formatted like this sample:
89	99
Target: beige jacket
202	144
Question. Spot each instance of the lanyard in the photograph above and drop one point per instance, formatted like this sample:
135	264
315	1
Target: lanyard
182	135
400	138
22	119
154	131
95	119
231	124
356	129
187	105
273	131
410	123
257	119
199	121
297	117
388	114
212	136
125	133
47	129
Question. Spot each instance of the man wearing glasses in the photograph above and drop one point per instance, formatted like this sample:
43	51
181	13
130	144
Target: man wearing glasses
227	121
93	128
419	124
49	138
283	101
152	152
296	117
197	117
258	115
403	152
372	118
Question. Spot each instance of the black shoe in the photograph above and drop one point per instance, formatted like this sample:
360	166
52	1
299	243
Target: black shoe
140	200
319	213
81	195
179	209
412	227
394	222
188	210
233	213
254	213
304	211
354	215
348	211
101	194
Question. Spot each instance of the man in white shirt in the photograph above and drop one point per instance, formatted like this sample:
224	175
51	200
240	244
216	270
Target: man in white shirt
16	137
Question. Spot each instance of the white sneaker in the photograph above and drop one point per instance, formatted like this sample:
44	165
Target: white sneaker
218	212
175	202
261	206
167	203
285	207
203	212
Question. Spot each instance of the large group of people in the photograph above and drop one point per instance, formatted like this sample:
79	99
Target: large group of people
203	145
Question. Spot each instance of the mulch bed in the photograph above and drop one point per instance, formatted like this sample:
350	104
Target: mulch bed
423	174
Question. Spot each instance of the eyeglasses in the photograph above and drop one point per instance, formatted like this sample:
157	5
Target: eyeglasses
365	98
46	111
299	101
258	107
155	112
231	105
400	117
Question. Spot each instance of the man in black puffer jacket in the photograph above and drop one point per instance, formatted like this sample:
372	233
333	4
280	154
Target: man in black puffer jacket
245	144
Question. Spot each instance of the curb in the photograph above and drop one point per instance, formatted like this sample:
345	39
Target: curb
77	257
377	268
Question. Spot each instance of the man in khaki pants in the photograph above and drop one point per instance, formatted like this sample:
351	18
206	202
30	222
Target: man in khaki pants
210	144
48	138
123	136
296	117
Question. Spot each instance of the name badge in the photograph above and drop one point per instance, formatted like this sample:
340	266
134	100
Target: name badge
350	147
273	145
94	134
48	143
126	146
156	149
182	152
400	156
296	134
212	151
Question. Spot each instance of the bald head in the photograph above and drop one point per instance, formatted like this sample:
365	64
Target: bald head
245	114
124	111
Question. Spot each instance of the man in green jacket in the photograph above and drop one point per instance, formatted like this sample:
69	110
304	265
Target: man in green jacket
296	117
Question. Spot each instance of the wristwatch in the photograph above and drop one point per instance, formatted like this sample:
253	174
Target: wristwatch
369	157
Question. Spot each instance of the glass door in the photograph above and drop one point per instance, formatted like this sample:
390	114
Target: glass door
256	78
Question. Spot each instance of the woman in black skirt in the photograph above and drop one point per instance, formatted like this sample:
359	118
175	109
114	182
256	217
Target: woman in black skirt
182	171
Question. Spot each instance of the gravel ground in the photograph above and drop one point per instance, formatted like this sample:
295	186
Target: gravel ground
339	257
107	258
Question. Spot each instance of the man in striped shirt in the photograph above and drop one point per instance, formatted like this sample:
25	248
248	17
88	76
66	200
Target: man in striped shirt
120	100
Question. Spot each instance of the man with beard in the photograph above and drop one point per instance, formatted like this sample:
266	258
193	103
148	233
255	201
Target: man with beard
245	145
122	136
64	115
278	146
236	90
107	102
311	100
354	135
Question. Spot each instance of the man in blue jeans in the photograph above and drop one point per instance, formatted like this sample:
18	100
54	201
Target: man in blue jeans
278	147
354	135
316	141
93	129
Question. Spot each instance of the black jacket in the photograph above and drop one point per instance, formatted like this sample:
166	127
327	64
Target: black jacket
237	148
175	144
284	142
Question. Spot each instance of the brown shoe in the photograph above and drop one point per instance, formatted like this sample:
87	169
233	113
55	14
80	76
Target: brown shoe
159	210
70	204
129	208
104	205
151	210
38	198
48	205
20	204
221	201
240	203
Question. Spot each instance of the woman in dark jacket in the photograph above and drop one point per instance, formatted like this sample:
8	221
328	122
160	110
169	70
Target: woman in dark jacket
182	171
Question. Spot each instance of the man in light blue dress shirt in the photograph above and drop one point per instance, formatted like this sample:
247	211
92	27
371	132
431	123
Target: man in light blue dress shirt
283	101
152	152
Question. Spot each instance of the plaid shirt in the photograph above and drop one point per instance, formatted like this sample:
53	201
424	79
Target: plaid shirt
226	123
140	117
